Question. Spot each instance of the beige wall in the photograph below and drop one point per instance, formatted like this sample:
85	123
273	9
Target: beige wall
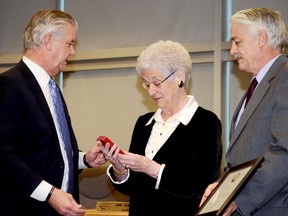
109	103
102	90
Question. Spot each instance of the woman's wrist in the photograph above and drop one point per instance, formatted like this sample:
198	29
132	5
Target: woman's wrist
120	172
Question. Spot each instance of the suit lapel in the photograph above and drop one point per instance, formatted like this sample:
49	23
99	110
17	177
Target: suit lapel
250	108
37	91
236	113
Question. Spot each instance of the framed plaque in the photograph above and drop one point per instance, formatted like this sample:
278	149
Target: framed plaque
229	185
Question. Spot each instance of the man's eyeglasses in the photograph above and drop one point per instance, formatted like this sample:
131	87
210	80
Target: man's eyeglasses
156	83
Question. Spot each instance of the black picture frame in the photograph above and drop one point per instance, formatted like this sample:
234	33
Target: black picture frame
229	186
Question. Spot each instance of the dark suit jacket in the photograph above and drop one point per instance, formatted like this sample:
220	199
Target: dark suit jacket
263	131
29	146
192	155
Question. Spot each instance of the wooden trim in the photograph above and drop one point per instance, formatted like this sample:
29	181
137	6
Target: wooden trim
116	58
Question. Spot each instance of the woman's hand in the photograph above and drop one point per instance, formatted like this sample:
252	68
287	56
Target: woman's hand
135	162
140	163
111	154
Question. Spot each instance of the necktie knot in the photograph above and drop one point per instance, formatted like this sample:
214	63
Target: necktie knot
52	83
53	90
251	89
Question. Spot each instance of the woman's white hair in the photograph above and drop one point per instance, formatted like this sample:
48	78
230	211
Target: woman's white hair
167	57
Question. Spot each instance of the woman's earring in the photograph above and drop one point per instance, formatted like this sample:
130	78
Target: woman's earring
181	84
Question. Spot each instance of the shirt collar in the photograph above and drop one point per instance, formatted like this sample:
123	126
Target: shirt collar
39	73
183	116
265	69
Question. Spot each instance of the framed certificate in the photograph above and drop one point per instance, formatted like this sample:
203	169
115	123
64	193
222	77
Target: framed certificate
230	184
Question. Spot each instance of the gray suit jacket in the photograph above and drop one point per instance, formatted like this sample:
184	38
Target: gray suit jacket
263	131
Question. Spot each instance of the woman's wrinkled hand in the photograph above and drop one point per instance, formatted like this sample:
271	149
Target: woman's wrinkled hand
111	154
140	163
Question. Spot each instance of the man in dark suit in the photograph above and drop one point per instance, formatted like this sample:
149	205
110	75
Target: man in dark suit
34	163
260	129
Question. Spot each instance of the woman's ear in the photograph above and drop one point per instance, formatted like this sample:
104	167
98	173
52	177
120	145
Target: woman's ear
181	78
180	75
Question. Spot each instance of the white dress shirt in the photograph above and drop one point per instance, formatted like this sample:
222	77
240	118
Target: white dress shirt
42	77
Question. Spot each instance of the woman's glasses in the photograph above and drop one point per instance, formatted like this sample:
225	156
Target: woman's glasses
156	83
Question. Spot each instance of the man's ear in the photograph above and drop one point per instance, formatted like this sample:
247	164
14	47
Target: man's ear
48	39
262	38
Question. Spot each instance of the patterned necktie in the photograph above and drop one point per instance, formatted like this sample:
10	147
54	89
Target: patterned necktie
64	132
251	89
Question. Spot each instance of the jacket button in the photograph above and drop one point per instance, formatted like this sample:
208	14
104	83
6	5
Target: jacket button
61	165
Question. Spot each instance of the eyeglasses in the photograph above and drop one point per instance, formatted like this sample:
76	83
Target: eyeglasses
156	83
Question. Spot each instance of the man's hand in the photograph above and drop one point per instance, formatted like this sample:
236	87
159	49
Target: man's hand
230	209
95	157
64	204
207	192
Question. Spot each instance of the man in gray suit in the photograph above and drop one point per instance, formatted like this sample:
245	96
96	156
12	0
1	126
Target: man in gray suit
260	129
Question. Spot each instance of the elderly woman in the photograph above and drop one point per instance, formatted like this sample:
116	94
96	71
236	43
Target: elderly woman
176	151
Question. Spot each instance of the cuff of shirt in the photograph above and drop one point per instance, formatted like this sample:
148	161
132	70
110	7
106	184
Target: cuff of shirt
42	191
81	162
113	180
159	176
